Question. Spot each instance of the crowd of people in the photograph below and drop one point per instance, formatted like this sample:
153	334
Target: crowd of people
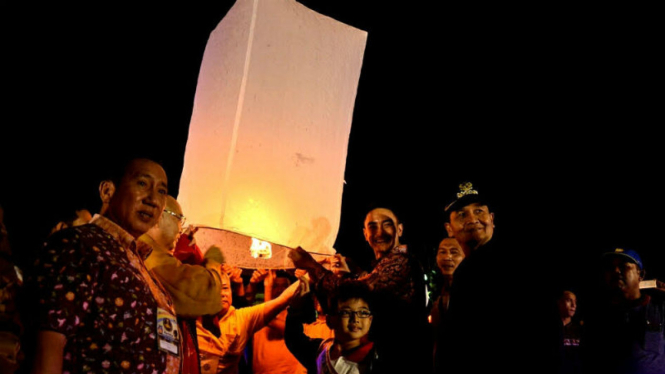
127	290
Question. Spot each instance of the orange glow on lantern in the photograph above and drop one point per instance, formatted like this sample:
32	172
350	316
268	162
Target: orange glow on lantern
267	143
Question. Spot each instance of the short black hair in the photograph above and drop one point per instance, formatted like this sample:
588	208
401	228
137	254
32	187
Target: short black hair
347	290
118	167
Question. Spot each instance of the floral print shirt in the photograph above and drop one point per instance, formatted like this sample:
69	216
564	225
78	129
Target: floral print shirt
93	287
396	274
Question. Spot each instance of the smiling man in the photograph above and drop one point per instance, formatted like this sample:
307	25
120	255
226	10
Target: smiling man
382	231
468	344
398	287
480	329
98	307
448	257
469	219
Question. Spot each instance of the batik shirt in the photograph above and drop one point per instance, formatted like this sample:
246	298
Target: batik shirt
393	274
93	287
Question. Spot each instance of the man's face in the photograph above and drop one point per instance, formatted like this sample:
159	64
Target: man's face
226	294
137	203
382	230
567	305
472	225
351	327
449	255
622	277
170	225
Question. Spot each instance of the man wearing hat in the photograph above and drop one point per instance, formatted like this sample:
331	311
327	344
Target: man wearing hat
624	332
469	220
495	319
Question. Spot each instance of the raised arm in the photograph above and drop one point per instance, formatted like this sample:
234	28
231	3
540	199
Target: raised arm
300	345
252	287
392	274
237	283
303	260
276	305
195	289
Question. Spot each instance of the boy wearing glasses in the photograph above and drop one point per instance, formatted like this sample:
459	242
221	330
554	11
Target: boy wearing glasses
398	290
350	317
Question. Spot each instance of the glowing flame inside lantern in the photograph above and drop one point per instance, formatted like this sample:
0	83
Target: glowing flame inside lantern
260	249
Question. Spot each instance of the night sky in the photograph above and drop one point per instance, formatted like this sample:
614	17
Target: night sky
553	112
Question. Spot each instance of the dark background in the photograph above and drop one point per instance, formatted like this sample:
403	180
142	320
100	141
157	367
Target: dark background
552	111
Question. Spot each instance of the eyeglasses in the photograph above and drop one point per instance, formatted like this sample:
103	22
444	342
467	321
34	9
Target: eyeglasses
362	314
180	217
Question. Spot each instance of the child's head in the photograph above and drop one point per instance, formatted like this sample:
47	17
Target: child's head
350	312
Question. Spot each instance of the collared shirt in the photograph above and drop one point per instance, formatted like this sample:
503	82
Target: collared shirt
123	237
353	364
92	287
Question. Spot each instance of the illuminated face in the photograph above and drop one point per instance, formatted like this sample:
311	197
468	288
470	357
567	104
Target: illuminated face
348	324
382	231
622	277
137	203
567	305
171	225
449	255
226	294
472	225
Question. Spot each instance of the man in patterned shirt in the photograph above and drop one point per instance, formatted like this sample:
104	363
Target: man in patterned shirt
397	284
99	309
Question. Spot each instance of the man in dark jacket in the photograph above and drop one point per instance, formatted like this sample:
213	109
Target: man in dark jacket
624	331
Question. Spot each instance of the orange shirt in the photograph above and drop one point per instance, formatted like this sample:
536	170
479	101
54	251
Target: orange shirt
318	330
270	354
222	354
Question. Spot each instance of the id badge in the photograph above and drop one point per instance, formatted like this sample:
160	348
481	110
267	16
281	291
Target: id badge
168	335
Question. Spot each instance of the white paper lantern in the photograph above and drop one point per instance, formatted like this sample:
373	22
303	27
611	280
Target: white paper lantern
268	138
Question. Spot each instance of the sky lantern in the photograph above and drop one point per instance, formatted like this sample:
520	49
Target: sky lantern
265	157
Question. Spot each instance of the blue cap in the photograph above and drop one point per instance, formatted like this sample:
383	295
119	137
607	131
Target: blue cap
628	254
